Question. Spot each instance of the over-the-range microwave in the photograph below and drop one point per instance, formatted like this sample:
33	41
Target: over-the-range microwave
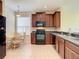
40	24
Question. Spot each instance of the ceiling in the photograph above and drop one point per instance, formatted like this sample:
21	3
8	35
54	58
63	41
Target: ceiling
34	5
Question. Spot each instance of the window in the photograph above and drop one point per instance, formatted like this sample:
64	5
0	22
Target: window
24	25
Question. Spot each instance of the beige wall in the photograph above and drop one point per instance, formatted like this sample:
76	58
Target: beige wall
10	20
70	16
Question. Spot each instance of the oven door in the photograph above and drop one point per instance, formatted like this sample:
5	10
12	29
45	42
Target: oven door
40	38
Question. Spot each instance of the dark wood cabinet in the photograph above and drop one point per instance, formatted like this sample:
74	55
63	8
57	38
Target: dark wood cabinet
49	39
33	38
69	54
66	49
34	18
0	7
71	51
38	17
57	19
57	43
49	20
42	16
53	37
60	46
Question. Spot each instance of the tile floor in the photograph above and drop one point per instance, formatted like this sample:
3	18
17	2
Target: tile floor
28	51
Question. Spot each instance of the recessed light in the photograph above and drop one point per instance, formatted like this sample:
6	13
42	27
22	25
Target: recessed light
45	7
18	15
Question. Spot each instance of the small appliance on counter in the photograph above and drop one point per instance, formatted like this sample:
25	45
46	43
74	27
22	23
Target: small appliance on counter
40	36
40	24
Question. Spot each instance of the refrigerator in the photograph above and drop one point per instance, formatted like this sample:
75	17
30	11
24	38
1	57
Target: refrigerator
2	37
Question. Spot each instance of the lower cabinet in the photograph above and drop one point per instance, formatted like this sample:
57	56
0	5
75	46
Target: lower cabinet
60	46
71	51
49	38
66	49
33	38
53	39
57	43
69	54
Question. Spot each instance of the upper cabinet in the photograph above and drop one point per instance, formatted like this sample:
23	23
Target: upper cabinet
57	19
34	18
51	20
40	16
0	7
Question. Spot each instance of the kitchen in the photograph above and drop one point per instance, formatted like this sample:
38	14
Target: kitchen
66	43
55	31
42	22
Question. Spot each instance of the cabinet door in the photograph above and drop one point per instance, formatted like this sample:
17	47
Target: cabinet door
61	47
69	54
33	38
57	43
41	16
51	20
34	19
57	19
47	20
53	39
48	38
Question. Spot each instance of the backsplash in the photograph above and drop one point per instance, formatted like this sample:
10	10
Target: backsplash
76	30
46	28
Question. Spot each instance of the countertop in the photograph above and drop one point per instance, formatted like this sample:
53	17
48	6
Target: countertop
45	31
74	40
69	38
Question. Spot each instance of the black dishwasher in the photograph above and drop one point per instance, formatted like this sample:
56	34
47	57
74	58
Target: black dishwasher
40	36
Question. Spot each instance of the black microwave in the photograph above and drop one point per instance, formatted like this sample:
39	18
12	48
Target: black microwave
40	24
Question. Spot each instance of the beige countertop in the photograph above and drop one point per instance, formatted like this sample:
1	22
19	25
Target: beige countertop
73	40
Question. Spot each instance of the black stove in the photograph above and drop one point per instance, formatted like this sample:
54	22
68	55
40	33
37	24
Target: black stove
40	36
